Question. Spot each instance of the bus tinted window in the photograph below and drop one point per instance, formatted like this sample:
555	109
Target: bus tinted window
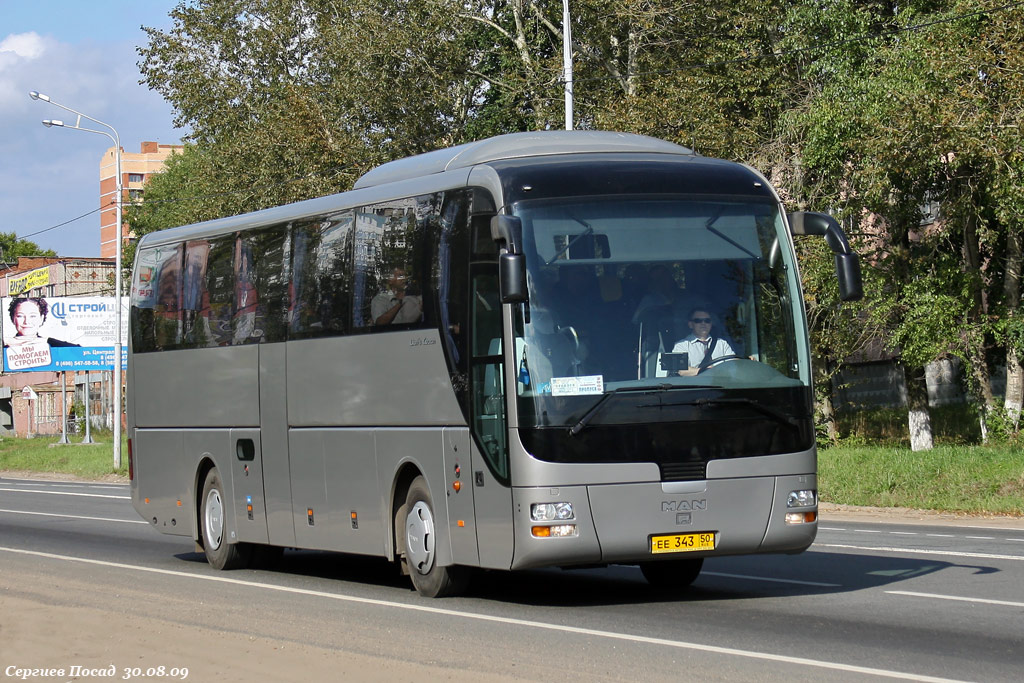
393	263
262	284
207	286
321	258
156	299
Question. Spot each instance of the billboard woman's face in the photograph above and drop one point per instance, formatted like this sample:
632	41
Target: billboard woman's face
27	319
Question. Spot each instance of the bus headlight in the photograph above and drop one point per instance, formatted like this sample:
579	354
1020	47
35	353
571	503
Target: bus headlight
801	499
551	512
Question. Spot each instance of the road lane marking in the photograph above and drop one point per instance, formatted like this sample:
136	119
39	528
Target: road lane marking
611	635
940	535
904	533
94	519
772	579
982	538
68	493
937	596
921	551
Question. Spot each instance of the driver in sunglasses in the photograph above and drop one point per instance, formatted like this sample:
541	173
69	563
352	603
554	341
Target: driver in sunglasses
702	347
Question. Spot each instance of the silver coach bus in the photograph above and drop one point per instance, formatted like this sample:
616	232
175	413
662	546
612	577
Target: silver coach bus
484	356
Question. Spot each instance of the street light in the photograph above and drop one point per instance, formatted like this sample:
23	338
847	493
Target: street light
51	123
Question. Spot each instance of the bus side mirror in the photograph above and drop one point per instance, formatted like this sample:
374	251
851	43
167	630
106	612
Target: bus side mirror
851	287
512	278
507	231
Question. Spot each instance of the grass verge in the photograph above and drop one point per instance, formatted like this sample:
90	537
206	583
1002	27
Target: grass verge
44	454
969	479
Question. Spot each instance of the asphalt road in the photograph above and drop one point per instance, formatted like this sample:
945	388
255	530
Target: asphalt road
872	599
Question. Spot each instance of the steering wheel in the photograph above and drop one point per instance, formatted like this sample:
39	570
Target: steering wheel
716	361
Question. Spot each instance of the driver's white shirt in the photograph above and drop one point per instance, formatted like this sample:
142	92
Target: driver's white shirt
696	349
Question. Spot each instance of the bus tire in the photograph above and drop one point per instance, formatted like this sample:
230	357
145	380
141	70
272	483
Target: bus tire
672	574
419	534
214	527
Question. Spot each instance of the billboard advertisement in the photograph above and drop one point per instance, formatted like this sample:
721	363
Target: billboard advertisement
62	333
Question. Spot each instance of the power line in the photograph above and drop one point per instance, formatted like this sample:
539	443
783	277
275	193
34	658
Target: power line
59	225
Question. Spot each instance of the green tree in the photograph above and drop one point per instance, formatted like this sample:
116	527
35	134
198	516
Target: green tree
11	248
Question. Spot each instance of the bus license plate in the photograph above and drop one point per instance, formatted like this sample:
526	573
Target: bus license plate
682	543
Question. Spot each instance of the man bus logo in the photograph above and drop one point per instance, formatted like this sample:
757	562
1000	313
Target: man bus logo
684	508
680	505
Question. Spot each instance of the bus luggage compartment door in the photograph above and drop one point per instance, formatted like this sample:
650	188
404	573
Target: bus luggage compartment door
247	485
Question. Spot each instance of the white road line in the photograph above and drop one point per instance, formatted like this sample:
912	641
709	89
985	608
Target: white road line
921	551
1021	540
867	531
95	519
936	596
982	538
940	535
611	635
68	493
772	579
830	528
66	482
904	533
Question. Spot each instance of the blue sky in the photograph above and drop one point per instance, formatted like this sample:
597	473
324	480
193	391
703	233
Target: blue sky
83	56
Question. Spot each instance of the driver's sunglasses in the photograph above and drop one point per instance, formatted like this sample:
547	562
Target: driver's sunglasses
706	321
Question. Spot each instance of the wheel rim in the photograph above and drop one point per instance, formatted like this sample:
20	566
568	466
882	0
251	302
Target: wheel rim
419	538
214	519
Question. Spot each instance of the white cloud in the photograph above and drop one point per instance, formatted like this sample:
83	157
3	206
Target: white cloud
27	45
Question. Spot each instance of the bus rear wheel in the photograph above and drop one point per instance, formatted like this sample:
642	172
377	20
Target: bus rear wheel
419	533
672	574
215	530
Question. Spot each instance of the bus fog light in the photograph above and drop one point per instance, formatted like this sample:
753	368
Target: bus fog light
556	531
801	517
551	512
801	499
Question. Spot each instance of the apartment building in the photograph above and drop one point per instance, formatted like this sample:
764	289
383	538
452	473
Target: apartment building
136	167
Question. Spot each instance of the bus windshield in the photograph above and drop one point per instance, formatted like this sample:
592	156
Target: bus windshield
652	294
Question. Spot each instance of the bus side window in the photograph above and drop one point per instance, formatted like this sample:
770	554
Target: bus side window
488	381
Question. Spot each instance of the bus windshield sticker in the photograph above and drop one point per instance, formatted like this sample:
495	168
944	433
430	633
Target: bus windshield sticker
577	386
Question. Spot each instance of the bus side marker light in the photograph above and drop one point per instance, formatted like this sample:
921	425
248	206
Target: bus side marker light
355	519
147	501
309	516
457	485
462	523
179	502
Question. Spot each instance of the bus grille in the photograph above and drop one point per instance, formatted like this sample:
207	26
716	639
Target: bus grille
684	471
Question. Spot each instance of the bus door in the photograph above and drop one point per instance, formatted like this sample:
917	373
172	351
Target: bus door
492	494
274	436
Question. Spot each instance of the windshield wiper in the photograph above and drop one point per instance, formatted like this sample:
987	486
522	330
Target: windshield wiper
760	407
665	386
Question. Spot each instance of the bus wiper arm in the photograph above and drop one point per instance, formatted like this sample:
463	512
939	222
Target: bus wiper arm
760	407
589	231
589	415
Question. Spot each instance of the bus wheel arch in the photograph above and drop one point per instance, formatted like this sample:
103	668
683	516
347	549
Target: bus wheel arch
215	528
418	536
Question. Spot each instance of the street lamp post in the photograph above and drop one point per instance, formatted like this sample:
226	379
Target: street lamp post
567	62
117	260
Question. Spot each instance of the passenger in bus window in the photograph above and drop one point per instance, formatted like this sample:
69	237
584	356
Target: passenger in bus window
28	316
396	305
701	345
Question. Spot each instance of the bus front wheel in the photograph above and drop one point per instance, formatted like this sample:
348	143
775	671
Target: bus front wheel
672	574
429	579
215	530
